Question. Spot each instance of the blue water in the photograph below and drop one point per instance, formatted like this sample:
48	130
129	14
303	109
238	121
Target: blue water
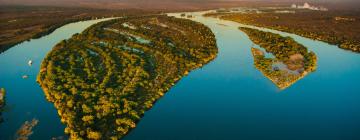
230	99
226	99
25	100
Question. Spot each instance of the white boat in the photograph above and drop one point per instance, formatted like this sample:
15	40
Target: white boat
30	62
25	76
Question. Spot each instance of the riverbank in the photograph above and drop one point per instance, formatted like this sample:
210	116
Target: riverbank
335	27
22	23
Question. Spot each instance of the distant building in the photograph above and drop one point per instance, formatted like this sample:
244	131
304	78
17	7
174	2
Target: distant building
309	7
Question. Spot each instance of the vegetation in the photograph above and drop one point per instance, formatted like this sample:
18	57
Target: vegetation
2	102
21	23
2	97
335	27
295	57
103	80
25	130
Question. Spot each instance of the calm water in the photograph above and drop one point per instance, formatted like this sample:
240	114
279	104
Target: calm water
226	99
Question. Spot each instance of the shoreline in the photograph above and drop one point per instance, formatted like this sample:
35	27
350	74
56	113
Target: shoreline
46	32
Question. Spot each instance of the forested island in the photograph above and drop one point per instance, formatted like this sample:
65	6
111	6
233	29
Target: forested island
103	80
291	60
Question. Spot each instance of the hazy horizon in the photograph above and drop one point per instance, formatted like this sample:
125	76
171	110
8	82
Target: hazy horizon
125	3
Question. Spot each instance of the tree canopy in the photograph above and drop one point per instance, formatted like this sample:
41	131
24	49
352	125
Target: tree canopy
103	80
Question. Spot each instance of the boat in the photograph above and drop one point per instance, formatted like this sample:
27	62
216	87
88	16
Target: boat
25	76
30	62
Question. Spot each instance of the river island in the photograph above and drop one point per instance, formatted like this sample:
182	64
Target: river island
290	60
103	80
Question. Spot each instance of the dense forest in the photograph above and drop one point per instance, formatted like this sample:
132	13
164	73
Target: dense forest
103	80
297	60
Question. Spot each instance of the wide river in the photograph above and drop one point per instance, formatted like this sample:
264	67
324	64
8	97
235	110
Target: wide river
226	99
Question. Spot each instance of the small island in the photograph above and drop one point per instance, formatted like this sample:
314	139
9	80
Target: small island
103	80
290	60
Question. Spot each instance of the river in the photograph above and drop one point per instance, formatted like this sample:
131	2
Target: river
226	99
